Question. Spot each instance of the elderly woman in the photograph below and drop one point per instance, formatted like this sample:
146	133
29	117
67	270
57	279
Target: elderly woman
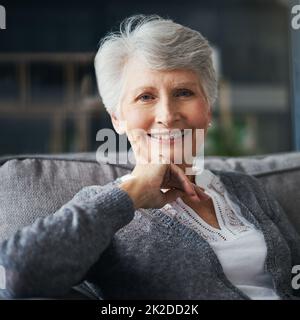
208	235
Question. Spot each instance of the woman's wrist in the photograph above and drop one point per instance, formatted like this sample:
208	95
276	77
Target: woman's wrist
135	191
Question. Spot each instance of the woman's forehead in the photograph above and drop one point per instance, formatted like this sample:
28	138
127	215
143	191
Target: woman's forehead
137	70
170	78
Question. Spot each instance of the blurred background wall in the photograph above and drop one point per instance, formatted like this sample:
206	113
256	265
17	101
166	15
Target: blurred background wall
48	97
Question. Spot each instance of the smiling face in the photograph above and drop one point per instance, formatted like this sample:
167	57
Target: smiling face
155	108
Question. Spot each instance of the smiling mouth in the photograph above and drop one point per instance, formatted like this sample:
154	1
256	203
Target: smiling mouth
169	135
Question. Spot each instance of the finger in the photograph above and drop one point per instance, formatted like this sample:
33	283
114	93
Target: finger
201	194
162	160
185	183
172	195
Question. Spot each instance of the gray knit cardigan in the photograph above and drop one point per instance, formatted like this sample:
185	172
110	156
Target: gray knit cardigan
98	241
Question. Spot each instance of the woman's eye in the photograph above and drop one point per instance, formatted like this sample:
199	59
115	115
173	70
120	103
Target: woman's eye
145	97
184	93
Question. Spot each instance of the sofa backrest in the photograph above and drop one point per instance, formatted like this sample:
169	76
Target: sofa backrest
34	186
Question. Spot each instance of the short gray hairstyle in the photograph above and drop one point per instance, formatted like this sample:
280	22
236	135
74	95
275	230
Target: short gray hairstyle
163	45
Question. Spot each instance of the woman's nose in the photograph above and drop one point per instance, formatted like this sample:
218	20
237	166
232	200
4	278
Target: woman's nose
167	114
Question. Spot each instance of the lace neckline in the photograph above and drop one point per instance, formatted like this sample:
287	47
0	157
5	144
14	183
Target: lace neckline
231	224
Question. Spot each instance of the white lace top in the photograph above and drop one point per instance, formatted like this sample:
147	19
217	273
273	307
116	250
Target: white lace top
231	223
239	246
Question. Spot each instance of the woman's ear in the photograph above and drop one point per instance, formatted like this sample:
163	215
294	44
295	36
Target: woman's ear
119	125
210	114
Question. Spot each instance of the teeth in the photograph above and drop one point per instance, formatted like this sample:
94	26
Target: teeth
167	136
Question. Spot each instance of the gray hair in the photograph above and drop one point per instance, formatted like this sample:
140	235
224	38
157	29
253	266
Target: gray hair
163	45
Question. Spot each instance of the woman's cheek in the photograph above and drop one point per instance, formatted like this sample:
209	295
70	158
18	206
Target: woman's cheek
137	126
198	114
138	120
199	120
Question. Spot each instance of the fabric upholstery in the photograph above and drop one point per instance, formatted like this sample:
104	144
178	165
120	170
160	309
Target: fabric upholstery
38	185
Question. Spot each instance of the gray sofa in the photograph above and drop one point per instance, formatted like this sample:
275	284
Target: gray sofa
34	186
38	185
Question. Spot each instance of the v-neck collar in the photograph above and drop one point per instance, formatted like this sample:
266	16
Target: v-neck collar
171	224
179	202
225	179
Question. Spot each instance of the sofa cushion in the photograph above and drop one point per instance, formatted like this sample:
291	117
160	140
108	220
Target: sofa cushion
38	185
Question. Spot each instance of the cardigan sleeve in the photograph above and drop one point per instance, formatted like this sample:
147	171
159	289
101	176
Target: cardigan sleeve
53	254
278	215
286	228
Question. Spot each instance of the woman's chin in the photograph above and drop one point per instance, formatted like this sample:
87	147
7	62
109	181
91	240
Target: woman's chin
167	156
